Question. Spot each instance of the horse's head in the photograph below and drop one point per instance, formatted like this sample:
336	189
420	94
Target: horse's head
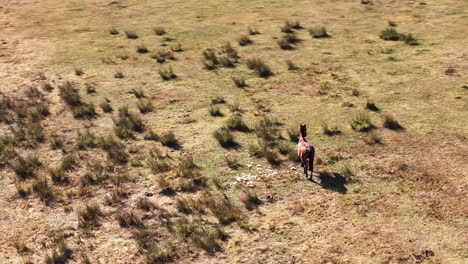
303	130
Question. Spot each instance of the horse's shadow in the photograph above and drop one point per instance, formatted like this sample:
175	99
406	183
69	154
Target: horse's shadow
332	181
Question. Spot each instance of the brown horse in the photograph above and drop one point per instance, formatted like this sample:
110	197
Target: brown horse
305	151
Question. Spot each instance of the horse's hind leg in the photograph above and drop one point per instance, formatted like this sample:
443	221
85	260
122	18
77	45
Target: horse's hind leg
311	160
305	169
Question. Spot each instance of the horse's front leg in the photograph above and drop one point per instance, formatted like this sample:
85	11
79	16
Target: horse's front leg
305	169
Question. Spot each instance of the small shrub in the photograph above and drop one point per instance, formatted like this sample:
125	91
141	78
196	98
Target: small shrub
251	200
210	55
287	27
235	122
391	123
355	92
362	123
115	150
244	41
21	247
159	31
218	100
23	190
330	130
239	82
119	75
224	137
162	56
215	111
373	138
88	217
145	107
167	74
56	141
138	93
319	32
131	35
106	107
160	254
259	67
157	164
90	89
168	139
392	23
209	65
113	31
253	31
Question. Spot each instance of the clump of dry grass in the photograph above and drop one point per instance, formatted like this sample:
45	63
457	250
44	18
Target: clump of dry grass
169	139
106	107
177	48
373	138
58	176
145	106
224	137
232	162
113	31
151	135
370	105
252	31
251	200
129	219
115	197
42	188
260	67
391	123
235	122
244	40
156	161
145	204
215	111
362	123
25	168
63	254
116	151
218	100
88	217
292	66
119	75
165	186
163	56
319	32
330	130
222	207
79	71
131	35
159	31
167	74
239	82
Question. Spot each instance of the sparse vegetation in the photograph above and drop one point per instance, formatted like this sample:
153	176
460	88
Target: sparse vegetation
106	107
391	34
215	111
159	31
330	130
131	35
88	217
391	123
251	200
235	122
168	139
167	74
145	106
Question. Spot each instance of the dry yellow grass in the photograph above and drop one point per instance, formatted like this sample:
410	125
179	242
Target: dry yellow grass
402	201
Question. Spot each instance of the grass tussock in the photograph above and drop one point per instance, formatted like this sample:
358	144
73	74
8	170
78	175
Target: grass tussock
215	111
218	100
169	139
26	168
362	123
129	219
330	130
113	31
151	135
373	139
159	31
131	35
145	106
163	56
235	122
58	176
88	217
319	32
245	40
60	255
239	82
119	75
145	204
156	161
232	162
43	190
225	137
251	200
222	207
260	67
106	107
116	151
391	34
391	123
252	31
370	105
167	74
292	66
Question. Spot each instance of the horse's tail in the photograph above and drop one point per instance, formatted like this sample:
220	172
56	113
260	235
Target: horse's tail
311	155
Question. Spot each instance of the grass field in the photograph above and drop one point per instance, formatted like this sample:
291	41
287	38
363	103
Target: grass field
165	131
